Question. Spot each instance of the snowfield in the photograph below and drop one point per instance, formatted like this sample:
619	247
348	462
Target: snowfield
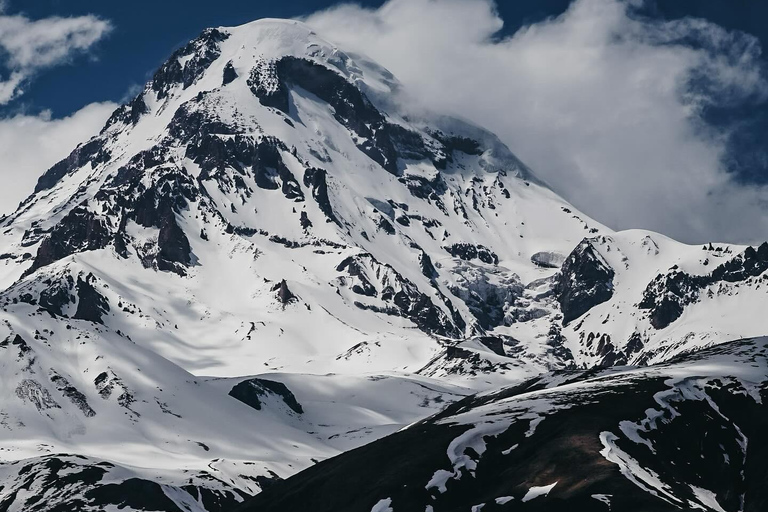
262	262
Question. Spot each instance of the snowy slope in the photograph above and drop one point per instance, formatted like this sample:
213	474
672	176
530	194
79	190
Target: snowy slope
262	261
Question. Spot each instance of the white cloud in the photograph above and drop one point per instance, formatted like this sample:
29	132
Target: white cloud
31	144
598	101
28	46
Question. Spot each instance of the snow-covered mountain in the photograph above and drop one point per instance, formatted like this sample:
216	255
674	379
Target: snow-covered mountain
267	259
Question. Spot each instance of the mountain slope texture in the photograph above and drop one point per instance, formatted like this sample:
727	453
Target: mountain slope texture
271	282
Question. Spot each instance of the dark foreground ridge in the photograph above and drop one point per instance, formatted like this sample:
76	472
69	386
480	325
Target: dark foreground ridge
631	440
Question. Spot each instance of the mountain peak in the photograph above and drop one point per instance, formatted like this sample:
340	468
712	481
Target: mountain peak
266	204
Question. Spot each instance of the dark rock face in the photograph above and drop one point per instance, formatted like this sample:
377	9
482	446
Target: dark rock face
453	143
427	268
494	343
135	493
430	190
601	345
241	154
668	294
370	278
72	393
584	281
91	305
173	243
155	206
125	197
385	226
252	391
204	50
57	295
129	113
383	142
80	230
316	179
564	446
304	221
284	295
16	341
469	252
92	151
229	74
354	268
266	85
351	108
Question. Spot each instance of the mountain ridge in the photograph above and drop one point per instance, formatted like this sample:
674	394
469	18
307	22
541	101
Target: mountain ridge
265	217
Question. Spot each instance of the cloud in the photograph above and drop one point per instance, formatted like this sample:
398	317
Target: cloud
31	144
605	105
29	46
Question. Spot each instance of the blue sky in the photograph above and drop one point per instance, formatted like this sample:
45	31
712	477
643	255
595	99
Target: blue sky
643	113
146	32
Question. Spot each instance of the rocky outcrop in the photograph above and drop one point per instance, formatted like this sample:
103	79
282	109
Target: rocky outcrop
91	305
317	181
469	252
666	297
72	393
393	294
80	230
252	392
93	151
188	63
585	280
284	295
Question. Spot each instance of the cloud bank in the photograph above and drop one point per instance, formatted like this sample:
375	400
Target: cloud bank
29	46
31	144
604	105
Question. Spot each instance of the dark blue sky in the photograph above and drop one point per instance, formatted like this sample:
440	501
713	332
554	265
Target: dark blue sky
146	32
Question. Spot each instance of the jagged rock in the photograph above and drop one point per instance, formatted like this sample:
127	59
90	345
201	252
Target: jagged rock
284	295
386	226
80	230
493	343
229	74
668	294
430	190
57	295
304	221
400	296
72	393
91	305
316	179
201	52
585	280
427	268
252	391
34	392
468	252
93	151
128	114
